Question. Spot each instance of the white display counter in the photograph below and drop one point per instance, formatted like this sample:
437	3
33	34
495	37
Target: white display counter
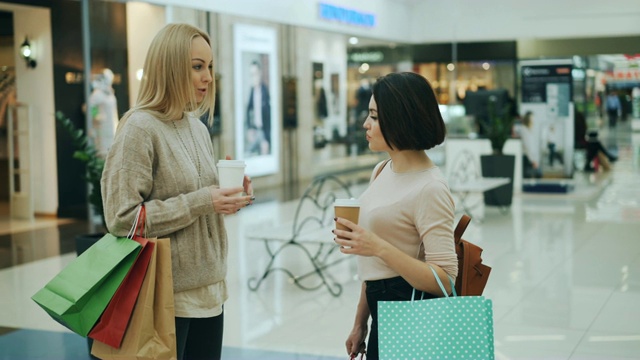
455	149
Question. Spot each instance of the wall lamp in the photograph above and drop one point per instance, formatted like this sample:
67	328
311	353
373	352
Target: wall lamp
25	51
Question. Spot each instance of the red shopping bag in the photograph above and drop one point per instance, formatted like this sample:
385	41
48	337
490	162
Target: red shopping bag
113	323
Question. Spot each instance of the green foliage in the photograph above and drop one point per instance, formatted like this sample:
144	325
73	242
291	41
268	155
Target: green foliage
498	128
88	155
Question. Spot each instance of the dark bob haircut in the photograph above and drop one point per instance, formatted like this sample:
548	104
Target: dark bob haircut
408	112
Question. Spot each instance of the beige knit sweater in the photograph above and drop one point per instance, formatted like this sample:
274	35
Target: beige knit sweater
155	162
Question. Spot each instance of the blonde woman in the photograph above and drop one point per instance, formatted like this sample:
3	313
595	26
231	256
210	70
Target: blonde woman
163	158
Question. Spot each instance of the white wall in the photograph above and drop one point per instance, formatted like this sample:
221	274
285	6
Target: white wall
391	16
420	21
464	20
35	88
176	14
143	22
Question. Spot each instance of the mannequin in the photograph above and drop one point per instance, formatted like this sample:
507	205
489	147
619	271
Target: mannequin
104	112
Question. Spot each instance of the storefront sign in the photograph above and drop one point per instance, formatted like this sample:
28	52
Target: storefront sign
346	16
367	56
626	74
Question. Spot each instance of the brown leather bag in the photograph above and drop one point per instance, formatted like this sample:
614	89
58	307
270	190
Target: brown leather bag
472	273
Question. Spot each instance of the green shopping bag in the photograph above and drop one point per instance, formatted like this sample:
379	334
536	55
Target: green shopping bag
78	295
453	327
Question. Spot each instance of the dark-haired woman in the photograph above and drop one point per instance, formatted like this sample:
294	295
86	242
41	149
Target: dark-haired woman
406	213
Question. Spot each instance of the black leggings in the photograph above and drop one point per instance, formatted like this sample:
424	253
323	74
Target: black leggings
393	289
199	338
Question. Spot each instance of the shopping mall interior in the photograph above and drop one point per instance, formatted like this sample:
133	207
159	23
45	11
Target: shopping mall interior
562	242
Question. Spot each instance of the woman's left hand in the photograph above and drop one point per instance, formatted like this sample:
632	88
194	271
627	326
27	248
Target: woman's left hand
358	241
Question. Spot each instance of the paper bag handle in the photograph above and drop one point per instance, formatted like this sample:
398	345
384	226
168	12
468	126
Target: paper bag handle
138	229
444	291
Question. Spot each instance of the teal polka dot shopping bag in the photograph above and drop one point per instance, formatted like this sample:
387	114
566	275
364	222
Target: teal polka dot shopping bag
452	327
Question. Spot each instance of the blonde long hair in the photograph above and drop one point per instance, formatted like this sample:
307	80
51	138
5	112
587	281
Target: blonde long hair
166	89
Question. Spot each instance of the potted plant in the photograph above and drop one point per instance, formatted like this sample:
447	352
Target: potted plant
499	125
498	130
88	155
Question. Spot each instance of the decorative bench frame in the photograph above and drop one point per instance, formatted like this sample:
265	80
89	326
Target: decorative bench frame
307	232
465	179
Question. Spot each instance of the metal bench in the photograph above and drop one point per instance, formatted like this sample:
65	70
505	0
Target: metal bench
310	233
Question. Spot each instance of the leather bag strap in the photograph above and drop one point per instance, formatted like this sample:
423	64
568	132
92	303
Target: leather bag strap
380	168
461	227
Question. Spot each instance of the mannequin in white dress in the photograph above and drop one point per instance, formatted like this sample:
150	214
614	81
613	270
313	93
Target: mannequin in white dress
104	112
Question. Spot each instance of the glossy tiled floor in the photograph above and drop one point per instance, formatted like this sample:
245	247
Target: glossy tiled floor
565	280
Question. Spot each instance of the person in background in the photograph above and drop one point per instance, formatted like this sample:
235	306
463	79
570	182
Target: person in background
162	158
531	155
552	145
407	212
614	108
595	150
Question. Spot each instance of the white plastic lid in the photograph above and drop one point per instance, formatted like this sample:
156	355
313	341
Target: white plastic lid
347	202
231	163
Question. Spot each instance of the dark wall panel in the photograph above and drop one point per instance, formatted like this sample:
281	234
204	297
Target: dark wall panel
109	46
66	31
475	51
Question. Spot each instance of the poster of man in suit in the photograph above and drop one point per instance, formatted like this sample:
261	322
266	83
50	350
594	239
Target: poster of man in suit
258	114
255	76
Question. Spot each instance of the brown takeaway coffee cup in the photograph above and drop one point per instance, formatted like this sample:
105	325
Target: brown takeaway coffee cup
348	209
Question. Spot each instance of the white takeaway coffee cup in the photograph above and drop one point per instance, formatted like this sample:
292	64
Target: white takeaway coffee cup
231	173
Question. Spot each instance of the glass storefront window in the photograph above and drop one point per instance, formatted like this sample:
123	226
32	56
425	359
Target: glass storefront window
452	82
